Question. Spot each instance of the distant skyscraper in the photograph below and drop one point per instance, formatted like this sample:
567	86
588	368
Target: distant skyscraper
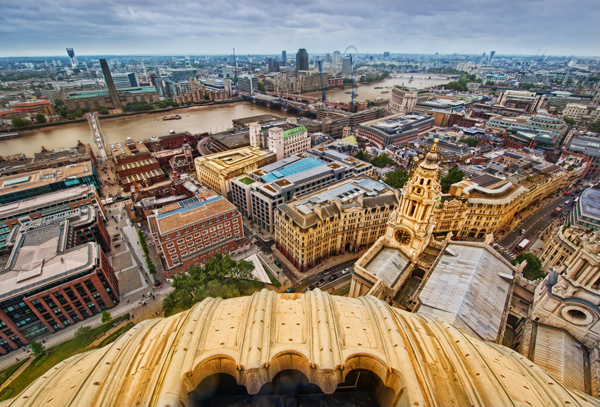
72	56
283	58
273	65
337	57
302	60
492	55
328	58
346	66
386	54
114	97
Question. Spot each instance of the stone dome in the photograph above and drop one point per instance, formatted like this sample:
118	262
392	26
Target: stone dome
423	361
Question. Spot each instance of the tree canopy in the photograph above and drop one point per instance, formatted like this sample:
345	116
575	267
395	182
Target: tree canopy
569	120
470	141
595	127
219	276
40	118
454	175
382	160
396	179
106	317
361	155
261	87
19	122
59	102
36	348
533	269
527	85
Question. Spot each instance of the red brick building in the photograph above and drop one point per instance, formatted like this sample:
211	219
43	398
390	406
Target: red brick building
54	277
189	232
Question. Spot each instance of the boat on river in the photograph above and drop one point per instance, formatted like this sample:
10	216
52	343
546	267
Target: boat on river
172	117
6	136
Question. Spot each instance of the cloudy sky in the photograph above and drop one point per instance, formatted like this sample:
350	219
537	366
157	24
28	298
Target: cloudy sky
196	27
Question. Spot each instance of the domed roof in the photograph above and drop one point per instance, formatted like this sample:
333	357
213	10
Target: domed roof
424	361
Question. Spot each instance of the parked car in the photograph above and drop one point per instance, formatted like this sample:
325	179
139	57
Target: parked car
327	272
277	263
333	277
290	290
347	270
321	283
311	287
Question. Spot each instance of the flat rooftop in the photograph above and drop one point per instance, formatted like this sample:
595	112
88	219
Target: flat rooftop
296	167
39	256
42	201
178	215
36	179
590	203
397	124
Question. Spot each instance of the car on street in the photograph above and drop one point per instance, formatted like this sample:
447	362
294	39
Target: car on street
277	263
309	288
290	290
333	277
321	282
327	272
347	270
523	231
567	202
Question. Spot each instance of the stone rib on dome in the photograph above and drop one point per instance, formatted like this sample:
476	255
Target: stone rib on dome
424	361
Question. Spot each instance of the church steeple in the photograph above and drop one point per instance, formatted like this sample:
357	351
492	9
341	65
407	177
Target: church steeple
411	227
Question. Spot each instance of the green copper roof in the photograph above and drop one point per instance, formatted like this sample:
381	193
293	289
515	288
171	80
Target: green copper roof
294	131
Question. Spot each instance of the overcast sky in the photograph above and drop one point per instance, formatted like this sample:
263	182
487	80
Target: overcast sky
196	27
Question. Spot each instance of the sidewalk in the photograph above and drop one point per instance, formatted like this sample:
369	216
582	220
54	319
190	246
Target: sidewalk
330	262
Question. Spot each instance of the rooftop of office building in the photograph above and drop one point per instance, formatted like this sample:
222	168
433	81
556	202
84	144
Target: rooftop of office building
397	123
233	160
187	212
41	201
328	202
35	179
590	203
40	253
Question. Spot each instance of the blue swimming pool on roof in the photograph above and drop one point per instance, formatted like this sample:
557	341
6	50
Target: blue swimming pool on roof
294	168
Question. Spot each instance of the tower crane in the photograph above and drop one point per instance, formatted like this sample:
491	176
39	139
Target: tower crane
351	74
323	90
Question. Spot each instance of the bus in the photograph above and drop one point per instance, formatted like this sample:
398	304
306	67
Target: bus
521	246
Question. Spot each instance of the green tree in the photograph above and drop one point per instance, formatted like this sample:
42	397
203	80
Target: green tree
454	175
470	141
102	109
105	317
261	87
382	160
19	122
396	179
490	83
206	97
82	330
533	269
59	102
219	276
595	127
361	155
527	85
36	348
495	88
40	118
458	86
569	120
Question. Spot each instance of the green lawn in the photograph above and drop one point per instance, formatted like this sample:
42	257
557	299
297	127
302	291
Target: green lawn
113	336
246	180
343	292
6	373
58	354
274	281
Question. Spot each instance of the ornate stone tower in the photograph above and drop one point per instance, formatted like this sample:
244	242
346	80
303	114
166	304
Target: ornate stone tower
276	142
409	228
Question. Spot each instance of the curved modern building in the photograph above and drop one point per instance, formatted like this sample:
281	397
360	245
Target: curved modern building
313	348
586	212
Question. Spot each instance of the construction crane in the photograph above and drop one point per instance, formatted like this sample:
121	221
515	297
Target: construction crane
537	53
323	90
542	57
237	92
351	75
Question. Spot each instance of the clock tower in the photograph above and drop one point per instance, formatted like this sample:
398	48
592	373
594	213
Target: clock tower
409	228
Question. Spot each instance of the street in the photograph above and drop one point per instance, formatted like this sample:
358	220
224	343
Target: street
535	224
337	270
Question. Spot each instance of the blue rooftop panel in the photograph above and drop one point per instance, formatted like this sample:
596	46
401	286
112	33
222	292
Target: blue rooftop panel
190	207
294	168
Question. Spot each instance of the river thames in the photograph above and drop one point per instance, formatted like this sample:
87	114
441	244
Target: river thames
116	129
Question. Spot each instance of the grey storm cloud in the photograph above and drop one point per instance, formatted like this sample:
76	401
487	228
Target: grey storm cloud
43	27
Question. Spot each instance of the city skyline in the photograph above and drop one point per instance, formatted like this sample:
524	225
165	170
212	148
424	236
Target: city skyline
42	28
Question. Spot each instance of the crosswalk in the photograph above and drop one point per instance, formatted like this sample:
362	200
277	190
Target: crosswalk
506	252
